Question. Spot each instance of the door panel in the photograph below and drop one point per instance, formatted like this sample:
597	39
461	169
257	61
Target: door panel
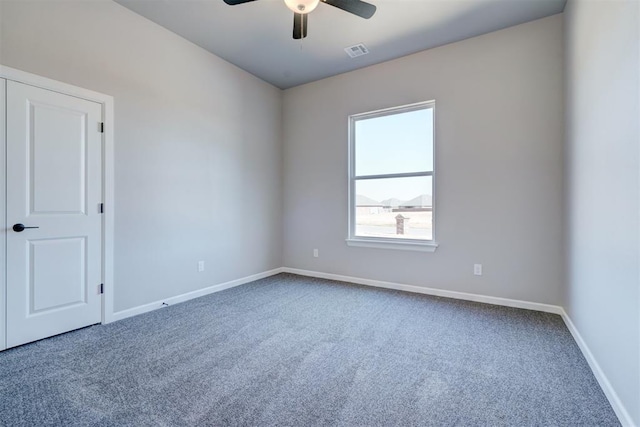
45	257
67	158
53	183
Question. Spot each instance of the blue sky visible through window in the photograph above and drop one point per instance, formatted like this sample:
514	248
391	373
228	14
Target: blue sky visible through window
397	143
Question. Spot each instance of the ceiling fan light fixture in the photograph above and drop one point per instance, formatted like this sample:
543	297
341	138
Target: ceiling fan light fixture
302	6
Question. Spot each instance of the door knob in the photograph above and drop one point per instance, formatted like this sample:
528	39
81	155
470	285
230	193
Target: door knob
20	227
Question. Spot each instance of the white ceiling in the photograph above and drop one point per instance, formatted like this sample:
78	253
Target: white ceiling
257	36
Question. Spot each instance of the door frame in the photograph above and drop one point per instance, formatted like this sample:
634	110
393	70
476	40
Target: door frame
106	101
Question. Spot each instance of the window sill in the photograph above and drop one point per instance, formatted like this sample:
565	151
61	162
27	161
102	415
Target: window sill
404	245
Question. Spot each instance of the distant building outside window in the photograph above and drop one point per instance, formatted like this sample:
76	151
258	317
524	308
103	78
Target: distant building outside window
391	178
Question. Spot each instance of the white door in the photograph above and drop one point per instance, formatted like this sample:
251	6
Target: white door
54	183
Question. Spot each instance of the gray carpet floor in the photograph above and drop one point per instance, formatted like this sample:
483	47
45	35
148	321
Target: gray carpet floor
296	351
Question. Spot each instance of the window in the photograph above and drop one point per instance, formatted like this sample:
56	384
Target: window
391	177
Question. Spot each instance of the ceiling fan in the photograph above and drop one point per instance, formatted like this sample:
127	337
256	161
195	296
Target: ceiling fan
301	8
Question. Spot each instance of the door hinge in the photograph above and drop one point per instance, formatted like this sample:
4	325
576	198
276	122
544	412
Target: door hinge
101	127
101	288
101	207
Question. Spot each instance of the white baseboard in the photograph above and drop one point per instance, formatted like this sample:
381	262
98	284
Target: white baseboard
119	315
547	308
612	396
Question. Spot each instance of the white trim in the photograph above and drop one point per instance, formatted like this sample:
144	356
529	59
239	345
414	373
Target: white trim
403	245
389	110
547	308
3	223
107	165
108	195
638	302
607	388
381	242
393	175
49	84
119	315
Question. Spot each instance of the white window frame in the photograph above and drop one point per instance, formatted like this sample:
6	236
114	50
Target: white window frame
382	242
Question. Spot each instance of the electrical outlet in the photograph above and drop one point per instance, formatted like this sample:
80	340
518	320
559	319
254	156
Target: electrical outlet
477	269
200	266
315	253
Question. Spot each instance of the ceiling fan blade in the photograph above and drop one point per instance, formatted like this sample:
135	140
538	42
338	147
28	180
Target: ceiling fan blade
235	2
299	26
357	7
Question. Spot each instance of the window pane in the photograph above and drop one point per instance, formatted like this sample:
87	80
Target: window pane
396	143
399	208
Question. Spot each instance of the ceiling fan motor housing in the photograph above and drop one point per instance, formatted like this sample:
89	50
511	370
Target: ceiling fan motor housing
302	6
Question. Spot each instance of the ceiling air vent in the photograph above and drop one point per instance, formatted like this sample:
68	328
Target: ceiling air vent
356	50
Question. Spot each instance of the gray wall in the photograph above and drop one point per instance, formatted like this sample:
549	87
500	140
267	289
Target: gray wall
197	143
602	170
499	133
